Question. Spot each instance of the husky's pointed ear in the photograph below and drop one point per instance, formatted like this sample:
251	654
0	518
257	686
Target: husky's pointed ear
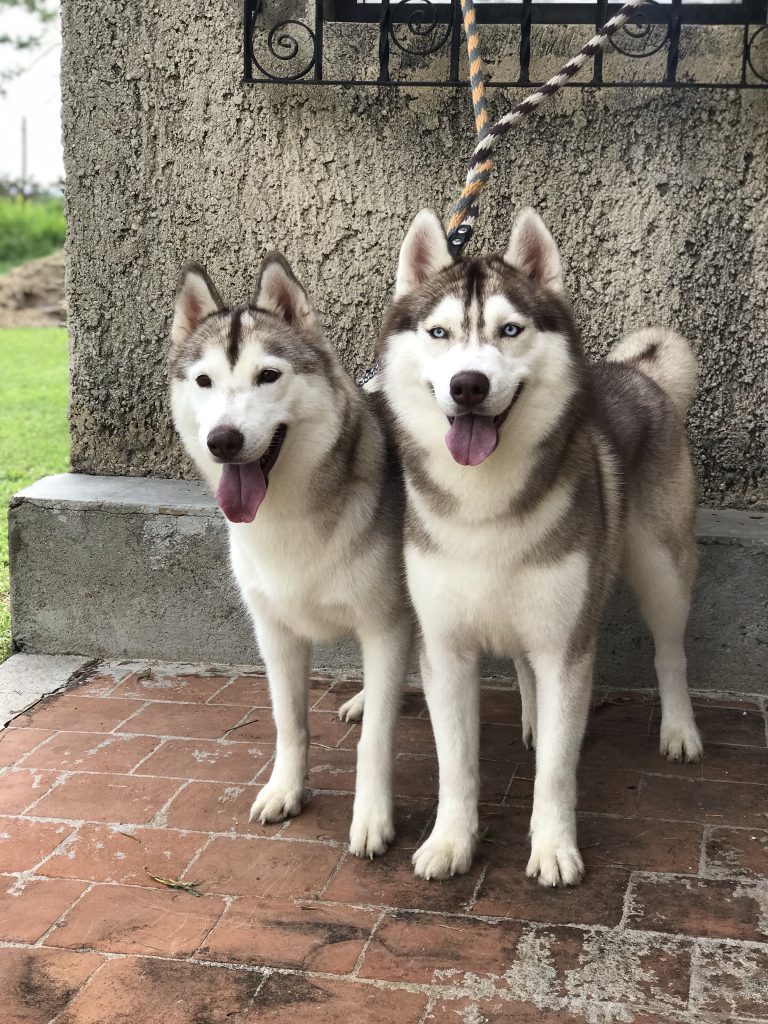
424	252
279	292
196	298
533	251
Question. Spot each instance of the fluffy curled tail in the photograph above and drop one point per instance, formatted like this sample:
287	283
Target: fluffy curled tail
664	356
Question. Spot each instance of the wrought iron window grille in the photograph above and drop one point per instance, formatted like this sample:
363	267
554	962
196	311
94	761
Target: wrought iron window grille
413	43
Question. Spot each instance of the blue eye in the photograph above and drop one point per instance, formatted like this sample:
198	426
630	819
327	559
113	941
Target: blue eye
438	332
511	330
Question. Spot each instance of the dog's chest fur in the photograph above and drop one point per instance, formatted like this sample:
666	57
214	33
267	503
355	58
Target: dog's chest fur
300	574
495	583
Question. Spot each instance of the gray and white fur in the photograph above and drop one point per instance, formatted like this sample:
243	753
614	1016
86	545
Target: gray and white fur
300	462
532	478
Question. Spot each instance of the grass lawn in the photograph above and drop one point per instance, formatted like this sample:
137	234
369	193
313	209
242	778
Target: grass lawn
29	228
34	440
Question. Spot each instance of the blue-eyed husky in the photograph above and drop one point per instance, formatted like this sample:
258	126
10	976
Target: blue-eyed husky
531	478
298	458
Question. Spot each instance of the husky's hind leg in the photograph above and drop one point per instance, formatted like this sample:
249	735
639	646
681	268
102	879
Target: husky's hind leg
663	579
385	662
526	683
286	656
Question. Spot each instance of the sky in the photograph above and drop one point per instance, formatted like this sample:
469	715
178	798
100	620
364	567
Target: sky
36	95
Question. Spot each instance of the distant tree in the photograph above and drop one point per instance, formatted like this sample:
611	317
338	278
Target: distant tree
43	11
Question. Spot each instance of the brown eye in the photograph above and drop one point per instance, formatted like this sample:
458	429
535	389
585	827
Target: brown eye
268	376
203	381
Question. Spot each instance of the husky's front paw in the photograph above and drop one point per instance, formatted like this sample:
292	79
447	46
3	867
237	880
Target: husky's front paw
372	831
555	863
680	740
276	802
352	711
444	854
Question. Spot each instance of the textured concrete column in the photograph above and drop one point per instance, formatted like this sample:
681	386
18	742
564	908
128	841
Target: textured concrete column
657	197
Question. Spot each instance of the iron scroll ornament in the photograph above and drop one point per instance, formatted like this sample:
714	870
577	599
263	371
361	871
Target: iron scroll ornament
291	52
751	50
643	37
283	45
422	22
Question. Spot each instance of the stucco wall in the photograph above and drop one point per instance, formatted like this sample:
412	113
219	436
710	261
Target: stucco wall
657	197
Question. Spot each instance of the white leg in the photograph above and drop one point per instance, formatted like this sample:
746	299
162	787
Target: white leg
663	586
287	659
527	686
562	704
452	689
352	710
385	662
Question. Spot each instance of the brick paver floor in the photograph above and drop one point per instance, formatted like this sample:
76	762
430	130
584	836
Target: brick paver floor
137	769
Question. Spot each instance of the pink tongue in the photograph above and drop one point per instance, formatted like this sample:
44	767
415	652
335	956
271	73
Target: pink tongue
241	490
471	439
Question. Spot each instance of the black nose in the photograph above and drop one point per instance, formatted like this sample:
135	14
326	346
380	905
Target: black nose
225	443
470	388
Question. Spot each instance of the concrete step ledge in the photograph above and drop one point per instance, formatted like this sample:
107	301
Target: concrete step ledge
26	678
130	567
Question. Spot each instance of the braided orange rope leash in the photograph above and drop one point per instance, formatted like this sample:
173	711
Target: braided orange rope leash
466	210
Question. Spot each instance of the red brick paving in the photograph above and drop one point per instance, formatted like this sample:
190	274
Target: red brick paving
736	853
144	768
162	686
735	764
76	711
37	984
102	797
732	980
15	742
741	725
211	760
264	867
214	807
132	990
90	752
129	919
24	843
194	720
28	907
721	909
21	787
307	936
507	893
105	853
711	803
500	1011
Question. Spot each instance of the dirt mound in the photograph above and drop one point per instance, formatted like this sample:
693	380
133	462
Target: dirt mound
32	295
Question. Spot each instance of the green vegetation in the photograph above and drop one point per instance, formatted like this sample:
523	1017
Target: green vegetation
34	440
29	228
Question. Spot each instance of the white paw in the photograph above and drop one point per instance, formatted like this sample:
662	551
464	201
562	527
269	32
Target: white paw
680	740
529	730
276	802
372	831
555	862
352	711
444	855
